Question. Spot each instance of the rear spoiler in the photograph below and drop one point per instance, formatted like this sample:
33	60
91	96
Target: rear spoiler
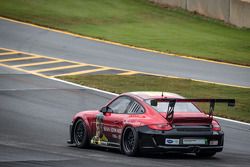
172	101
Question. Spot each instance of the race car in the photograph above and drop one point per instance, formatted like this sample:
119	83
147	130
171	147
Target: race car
138	122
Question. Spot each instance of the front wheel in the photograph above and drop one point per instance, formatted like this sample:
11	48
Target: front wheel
80	134
205	154
130	142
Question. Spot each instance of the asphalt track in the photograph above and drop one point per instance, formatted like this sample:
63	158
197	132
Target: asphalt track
35	113
40	41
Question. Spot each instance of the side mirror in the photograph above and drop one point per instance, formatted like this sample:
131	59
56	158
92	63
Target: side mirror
106	109
103	109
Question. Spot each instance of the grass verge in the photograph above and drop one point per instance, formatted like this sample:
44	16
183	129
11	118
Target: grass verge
187	88
138	23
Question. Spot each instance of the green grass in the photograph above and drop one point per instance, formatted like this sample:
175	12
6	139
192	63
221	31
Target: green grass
138	23
187	88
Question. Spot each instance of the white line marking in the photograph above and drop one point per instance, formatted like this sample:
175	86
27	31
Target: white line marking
231	120
85	87
27	89
114	94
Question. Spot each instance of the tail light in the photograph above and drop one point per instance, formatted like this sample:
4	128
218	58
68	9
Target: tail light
216	126
160	126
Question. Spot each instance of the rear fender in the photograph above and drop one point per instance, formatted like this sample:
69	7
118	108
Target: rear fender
128	125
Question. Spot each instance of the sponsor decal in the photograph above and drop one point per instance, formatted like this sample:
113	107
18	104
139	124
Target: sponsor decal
195	141
99	137
112	130
172	141
115	136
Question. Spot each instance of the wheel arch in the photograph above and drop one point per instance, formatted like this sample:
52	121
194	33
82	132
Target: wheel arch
136	148
82	117
122	133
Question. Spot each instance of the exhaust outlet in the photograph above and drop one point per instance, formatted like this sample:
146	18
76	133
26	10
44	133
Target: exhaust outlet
195	149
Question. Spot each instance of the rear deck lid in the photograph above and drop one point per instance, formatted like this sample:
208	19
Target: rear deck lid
189	118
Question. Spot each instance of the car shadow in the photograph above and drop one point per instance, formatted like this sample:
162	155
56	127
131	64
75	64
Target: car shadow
170	156
186	156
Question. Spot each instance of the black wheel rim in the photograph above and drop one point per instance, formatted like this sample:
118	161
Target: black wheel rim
79	133
129	141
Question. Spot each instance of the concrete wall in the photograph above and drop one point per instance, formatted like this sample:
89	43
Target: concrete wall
236	12
218	9
240	13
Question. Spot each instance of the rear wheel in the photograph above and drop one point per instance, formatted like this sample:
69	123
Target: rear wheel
130	142
205	154
80	134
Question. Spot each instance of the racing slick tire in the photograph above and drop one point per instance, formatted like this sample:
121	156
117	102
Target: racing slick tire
205	154
130	145
80	134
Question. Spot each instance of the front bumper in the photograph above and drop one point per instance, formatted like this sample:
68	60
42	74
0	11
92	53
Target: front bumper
70	141
154	140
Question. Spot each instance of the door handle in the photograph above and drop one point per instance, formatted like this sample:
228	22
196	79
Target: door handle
116	122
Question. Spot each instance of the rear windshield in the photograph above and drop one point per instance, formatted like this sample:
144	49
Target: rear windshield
179	107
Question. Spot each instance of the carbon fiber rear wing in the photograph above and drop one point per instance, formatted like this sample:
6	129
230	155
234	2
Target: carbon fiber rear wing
172	101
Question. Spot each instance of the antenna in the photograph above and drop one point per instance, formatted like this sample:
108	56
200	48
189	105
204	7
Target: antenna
162	95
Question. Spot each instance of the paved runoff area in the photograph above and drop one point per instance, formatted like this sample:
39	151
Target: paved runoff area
52	67
31	38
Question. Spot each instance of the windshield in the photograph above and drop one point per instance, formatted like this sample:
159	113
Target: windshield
179	107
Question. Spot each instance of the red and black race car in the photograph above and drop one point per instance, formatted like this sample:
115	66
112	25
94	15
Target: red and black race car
151	121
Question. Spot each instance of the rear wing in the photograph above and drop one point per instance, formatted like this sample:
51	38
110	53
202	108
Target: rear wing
172	101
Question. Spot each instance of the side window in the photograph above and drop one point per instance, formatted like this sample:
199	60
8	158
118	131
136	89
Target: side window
135	108
120	105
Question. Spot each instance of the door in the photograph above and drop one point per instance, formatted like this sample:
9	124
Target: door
113	122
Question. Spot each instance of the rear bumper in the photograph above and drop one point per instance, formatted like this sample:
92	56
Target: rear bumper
179	149
154	140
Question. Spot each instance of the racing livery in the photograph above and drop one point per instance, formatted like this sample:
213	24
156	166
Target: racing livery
138	122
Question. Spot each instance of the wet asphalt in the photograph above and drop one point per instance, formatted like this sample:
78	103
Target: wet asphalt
35	113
